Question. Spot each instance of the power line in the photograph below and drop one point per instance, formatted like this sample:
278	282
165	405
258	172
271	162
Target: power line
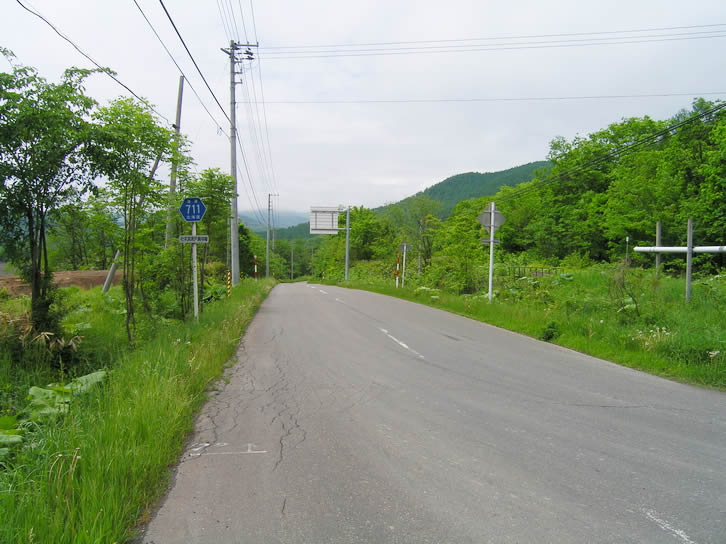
487	48
262	95
193	61
179	68
224	22
105	70
495	99
617	152
522	37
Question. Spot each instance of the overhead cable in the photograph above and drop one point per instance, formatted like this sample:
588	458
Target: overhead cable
490	38
103	69
193	60
219	127
513	46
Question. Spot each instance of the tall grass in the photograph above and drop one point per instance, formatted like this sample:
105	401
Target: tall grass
92	475
620	314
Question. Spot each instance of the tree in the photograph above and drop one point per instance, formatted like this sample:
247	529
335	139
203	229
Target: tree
130	143
44	136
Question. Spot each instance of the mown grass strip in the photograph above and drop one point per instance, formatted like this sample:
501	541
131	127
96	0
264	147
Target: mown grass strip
96	473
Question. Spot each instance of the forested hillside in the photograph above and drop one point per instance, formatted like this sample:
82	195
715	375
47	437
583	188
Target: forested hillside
600	189
448	193
453	190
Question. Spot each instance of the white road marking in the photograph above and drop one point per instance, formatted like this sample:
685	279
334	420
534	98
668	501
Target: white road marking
338	300
403	345
250	450
663	524
323	292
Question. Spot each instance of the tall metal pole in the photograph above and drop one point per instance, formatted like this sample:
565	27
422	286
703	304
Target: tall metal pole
174	167
347	241
267	245
234	218
292	257
492	210
194	273
689	260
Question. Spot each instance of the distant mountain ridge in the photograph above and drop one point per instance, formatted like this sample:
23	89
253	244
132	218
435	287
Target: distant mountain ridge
449	192
460	187
282	220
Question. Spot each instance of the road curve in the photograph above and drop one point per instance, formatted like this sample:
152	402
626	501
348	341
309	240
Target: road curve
354	417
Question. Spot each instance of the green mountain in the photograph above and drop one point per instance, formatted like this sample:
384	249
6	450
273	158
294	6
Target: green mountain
460	187
449	192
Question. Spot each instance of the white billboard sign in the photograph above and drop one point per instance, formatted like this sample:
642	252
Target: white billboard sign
324	220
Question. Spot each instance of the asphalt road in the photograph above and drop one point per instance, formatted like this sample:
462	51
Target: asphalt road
354	417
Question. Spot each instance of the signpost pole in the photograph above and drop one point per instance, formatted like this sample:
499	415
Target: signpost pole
492	210
194	272
193	210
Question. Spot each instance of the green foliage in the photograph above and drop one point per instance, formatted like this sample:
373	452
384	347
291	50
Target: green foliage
130	142
56	398
550	332
460	187
44	141
111	454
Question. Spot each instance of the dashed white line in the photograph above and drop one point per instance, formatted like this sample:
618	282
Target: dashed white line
663	524
323	292
402	344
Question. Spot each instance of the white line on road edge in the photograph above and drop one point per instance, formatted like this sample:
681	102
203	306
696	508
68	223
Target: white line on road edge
663	524
250	449
384	331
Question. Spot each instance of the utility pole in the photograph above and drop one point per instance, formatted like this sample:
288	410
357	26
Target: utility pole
267	245
292	257
234	216
174	167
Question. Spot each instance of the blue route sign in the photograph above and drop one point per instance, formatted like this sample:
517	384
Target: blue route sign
192	209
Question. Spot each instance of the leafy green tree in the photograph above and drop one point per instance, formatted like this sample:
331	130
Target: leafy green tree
44	134
130	143
216	189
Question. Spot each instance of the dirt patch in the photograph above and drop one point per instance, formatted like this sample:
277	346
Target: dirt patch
85	279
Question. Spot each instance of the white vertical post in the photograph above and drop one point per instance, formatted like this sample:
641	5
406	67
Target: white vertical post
292	257
492	210
194	273
657	243
398	268
403	275
689	260
347	241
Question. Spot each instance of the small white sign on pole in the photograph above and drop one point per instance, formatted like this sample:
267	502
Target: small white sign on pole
198	239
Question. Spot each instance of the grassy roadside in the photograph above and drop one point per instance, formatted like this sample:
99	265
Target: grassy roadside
94	474
628	317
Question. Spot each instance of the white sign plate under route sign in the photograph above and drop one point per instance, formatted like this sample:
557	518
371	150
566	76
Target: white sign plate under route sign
198	239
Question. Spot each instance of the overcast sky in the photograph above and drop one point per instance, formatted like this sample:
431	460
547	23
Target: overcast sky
364	152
